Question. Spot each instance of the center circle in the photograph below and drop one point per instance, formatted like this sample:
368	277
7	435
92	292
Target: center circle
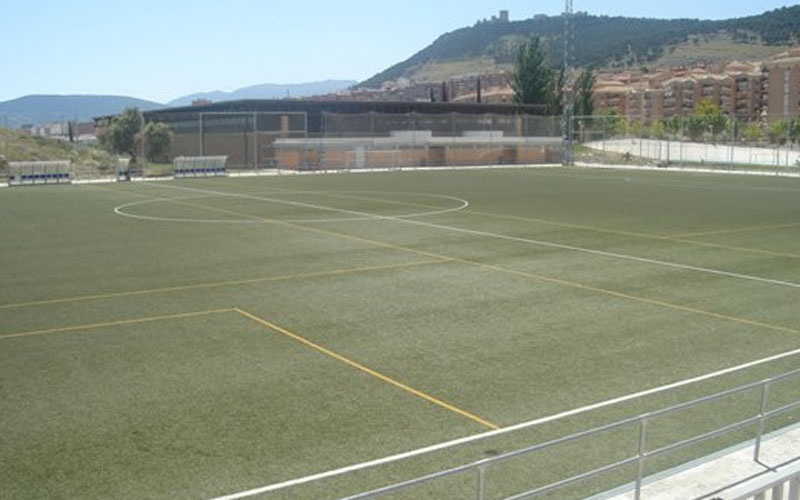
455	204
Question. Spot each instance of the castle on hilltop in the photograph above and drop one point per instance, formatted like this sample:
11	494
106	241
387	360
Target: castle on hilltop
502	17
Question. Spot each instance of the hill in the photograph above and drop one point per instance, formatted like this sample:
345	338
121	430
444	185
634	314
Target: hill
20	146
268	91
600	41
39	109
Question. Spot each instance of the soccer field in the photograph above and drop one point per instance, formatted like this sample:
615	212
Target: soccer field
197	338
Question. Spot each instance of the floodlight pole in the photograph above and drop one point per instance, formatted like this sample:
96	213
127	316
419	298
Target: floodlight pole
568	157
5	145
142	133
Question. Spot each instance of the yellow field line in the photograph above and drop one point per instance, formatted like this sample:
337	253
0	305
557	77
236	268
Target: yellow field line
619	232
734	230
537	277
367	370
115	323
218	284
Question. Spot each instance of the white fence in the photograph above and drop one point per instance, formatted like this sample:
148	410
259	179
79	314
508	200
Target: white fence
697	152
780	485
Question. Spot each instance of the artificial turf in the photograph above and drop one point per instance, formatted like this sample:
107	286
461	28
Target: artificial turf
138	375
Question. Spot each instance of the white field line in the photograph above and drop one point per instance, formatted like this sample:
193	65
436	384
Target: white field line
121	210
506	430
696	170
542	243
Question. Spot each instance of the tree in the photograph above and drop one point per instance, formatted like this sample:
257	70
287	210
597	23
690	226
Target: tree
584	93
752	133
794	130
711	117
672	125
636	129
533	78
103	134
776	132
615	125
657	130
125	129
695	126
158	142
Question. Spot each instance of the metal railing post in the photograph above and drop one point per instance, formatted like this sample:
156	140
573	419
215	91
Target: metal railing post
794	489
762	410
482	482
641	457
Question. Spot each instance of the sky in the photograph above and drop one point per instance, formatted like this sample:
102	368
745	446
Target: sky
162	49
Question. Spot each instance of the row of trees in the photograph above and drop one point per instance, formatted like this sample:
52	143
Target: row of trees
535	81
129	135
707	121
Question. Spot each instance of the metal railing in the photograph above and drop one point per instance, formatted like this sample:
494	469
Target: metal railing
788	483
639	460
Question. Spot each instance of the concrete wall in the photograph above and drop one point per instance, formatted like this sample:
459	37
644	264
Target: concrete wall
296	157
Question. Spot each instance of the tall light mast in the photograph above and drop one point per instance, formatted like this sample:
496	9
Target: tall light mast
568	119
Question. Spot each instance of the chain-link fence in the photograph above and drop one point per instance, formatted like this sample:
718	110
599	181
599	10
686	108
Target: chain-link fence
692	142
295	141
262	141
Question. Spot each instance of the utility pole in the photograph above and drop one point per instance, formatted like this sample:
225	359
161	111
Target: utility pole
568	158
5	136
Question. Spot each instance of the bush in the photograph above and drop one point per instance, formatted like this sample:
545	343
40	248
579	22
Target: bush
158	141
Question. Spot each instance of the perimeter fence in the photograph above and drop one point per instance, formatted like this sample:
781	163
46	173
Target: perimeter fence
258	142
334	141
691	142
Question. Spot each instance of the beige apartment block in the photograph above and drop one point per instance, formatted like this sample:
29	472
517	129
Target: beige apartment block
738	89
783	85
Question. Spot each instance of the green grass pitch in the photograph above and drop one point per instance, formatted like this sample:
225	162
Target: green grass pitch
190	339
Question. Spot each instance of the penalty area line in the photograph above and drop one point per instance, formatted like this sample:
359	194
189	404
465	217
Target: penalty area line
365	369
505	430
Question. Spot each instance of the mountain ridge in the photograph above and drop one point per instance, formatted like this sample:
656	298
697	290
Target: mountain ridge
38	109
600	41
268	91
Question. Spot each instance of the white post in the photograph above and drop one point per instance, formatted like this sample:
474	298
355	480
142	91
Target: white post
641	455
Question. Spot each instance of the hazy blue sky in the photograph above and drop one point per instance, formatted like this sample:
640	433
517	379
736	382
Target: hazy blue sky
162	49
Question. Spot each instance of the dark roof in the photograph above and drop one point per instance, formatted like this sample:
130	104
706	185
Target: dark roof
311	106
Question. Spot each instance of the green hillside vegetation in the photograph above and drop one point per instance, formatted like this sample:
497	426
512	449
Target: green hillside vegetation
21	146
600	41
716	48
438	71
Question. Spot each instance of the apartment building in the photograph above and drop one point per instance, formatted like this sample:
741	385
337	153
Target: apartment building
783	84
736	88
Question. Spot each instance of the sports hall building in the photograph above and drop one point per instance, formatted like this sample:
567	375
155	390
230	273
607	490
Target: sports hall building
308	134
